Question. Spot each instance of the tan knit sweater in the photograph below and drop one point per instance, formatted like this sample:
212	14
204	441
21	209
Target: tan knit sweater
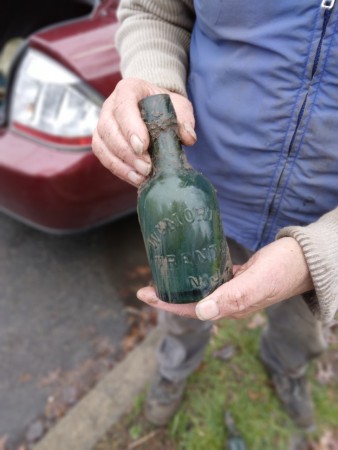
153	42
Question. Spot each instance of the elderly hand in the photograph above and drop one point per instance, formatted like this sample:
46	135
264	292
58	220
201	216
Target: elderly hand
275	273
121	138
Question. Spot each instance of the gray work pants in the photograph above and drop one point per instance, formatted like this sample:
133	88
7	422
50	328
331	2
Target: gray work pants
292	337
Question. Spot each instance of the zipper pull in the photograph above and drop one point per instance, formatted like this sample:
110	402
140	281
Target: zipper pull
328	4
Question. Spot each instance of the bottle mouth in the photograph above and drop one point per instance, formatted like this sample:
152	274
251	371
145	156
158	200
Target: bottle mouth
158	110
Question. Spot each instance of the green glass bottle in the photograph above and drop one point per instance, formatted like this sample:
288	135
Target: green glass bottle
179	215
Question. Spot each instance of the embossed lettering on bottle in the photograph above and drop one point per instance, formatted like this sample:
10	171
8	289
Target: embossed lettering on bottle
179	215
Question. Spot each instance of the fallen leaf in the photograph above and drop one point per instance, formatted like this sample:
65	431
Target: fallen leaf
254	395
140	322
325	373
215	330
328	441
106	314
201	367
332	339
134	311
69	395
310	445
129	342
104	346
55	408
257	321
126	293
225	353
25	377
143	440
139	271
333	324
51	378
35	431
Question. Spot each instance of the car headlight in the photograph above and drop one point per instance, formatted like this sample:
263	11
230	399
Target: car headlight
51	103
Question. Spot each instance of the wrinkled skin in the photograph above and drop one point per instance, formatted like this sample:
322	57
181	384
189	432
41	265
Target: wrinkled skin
276	272
120	141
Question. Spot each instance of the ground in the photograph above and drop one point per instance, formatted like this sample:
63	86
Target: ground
232	379
68	314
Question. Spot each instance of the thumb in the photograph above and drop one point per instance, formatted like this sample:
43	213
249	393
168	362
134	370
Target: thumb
232	299
185	118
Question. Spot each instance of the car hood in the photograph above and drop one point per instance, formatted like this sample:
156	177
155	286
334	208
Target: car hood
86	46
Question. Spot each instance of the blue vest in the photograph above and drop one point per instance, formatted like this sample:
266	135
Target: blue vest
264	84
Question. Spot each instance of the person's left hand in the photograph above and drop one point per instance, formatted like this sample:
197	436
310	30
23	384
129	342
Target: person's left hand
275	273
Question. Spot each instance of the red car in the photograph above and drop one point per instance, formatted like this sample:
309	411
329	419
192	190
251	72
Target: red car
53	85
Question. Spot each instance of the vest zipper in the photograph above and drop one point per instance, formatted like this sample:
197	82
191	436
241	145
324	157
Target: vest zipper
328	6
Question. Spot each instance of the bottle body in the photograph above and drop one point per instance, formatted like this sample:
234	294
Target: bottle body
180	223
183	236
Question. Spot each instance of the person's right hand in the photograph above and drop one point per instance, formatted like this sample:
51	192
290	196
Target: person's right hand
121	139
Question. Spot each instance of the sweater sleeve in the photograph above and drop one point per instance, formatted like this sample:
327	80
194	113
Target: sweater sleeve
153	41
319	242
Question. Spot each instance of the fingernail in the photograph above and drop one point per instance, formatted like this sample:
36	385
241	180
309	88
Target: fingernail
136	144
135	177
150	300
142	167
189	129
207	310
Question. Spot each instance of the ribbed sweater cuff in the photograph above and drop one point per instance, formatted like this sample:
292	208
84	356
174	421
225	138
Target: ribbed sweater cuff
319	242
155	60
153	41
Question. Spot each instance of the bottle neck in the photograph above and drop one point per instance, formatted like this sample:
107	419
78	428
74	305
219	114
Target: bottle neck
166	151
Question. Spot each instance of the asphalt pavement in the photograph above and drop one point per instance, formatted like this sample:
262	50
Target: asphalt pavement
62	317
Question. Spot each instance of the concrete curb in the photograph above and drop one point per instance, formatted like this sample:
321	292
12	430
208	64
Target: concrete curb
104	405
